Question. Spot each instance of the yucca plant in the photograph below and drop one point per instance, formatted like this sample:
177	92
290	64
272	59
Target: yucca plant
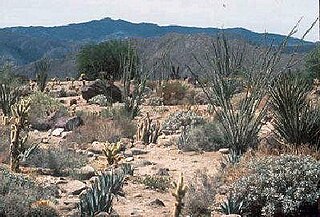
296	120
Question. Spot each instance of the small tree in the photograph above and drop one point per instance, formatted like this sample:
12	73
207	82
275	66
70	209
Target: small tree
103	60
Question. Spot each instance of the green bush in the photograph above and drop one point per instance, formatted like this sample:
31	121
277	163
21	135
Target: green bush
17	193
285	185
207	137
104	57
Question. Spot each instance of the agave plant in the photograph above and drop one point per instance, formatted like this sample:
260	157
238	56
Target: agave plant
98	198
231	206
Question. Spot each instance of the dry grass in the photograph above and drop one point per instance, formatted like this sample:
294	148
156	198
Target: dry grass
100	129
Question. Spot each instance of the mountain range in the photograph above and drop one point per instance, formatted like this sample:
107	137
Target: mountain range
24	45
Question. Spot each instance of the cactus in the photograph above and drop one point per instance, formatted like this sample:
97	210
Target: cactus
179	193
111	151
98	198
147	131
8	96
17	141
42	68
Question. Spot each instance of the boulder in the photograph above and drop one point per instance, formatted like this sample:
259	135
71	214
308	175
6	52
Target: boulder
86	172
57	132
68	123
73	187
99	87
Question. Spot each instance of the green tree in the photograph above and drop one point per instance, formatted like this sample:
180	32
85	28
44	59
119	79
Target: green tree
103	60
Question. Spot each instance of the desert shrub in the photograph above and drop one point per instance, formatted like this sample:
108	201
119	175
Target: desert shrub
207	137
172	92
42	106
17	193
155	182
43	211
201	194
154	101
181	119
285	185
101	100
297	121
102	128
61	161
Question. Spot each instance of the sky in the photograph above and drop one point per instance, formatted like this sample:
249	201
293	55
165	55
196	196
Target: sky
274	16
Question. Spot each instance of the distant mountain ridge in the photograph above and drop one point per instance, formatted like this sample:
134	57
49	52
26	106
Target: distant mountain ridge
99	30
24	45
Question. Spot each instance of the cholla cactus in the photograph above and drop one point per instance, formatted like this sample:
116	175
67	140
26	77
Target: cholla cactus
179	193
147	131
111	151
17	147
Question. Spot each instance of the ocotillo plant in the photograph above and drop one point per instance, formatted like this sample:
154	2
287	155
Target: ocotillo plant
179	193
148	131
17	147
42	67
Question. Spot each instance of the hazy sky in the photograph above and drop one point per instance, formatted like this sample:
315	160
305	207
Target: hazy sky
276	16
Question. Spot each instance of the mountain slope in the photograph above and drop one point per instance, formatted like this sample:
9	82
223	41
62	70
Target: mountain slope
24	45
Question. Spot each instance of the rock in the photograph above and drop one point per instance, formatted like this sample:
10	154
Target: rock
128	153
146	163
137	195
103	214
163	172
224	151
99	87
96	148
90	154
136	151
69	123
86	172
156	203
57	132
231	215
73	187
65	134
129	159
